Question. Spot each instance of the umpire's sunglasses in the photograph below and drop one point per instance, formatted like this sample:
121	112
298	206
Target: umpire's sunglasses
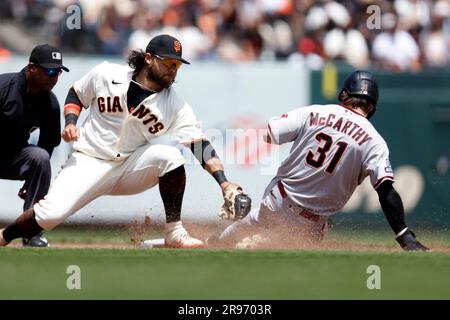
51	72
169	62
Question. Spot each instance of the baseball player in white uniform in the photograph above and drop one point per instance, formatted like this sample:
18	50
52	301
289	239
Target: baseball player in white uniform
334	149
113	150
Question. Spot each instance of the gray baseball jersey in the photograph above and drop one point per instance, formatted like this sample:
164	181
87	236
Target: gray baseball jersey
334	149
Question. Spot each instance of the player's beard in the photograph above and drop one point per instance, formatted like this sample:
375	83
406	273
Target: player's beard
162	81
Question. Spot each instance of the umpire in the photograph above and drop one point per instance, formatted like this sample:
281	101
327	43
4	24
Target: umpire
26	104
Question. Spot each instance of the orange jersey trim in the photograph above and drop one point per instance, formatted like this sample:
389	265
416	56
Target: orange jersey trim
72	107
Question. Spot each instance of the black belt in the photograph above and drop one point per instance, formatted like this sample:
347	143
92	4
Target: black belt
304	213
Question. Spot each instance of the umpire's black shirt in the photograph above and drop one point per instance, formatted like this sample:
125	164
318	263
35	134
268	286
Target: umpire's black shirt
21	113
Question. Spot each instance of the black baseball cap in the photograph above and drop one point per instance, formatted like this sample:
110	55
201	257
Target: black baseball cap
47	56
166	46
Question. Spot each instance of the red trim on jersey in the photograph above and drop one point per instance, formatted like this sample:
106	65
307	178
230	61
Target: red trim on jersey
353	110
72	107
282	190
377	184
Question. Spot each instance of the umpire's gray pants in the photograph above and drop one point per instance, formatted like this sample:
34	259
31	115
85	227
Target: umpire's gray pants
31	164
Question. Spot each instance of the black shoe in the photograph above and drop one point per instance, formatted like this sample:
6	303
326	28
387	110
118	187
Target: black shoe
36	241
408	242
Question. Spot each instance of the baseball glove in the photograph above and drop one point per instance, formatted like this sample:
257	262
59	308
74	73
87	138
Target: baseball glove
236	205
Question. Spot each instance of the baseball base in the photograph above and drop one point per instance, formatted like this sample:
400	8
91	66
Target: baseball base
256	241
154	243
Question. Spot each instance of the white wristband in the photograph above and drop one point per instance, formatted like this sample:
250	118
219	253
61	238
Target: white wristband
401	232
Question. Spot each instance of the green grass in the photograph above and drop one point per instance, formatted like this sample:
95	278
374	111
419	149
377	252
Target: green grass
125	234
27	273
207	274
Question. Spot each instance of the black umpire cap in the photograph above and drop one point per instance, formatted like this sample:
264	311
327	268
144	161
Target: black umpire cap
47	56
167	47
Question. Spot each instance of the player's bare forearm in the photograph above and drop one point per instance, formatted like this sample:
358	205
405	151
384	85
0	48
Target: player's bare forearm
71	132
213	166
236	203
72	110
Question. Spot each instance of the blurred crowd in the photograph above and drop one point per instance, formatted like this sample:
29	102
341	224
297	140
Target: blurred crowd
399	35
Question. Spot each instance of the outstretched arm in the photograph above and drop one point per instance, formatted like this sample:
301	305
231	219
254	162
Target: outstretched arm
206	155
392	206
237	204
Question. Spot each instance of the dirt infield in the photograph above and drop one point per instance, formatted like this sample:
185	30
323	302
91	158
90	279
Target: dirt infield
325	246
132	236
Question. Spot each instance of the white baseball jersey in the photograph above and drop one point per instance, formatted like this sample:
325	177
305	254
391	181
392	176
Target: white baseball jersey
111	132
334	150
116	154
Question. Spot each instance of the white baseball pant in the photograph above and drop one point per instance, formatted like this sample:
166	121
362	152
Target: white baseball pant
84	178
279	217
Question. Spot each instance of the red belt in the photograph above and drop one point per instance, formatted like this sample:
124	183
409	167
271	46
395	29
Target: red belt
282	191
304	213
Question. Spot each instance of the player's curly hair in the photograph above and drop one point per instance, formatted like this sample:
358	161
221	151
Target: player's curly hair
136	60
355	101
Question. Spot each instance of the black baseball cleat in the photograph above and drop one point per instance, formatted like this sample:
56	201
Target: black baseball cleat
37	241
408	242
